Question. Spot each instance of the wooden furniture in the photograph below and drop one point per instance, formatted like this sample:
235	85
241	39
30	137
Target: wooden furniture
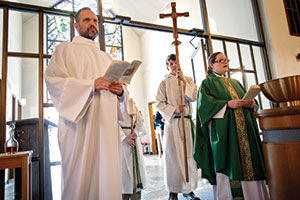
19	160
29	140
151	118
281	146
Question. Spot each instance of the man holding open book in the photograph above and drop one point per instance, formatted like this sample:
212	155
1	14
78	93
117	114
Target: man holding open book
87	104
228	147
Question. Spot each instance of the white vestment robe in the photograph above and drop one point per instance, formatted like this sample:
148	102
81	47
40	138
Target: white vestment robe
88	131
167	100
127	171
251	189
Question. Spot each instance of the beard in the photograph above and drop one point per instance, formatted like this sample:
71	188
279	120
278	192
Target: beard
88	33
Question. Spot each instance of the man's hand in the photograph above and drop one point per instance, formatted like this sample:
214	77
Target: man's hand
180	75
235	103
101	83
250	104
116	87
180	108
130	139
133	135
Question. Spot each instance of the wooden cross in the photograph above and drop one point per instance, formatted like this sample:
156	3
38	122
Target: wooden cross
174	16
176	43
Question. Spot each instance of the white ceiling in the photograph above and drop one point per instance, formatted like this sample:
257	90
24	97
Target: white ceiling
141	10
138	10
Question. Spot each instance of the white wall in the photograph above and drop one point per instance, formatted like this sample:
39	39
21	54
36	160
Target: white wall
281	46
132	51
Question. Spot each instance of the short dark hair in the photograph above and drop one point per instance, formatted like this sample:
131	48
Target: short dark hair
170	57
78	13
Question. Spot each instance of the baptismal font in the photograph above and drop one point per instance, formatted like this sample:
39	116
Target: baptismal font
281	136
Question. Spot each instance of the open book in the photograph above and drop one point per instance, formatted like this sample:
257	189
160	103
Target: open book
121	71
252	92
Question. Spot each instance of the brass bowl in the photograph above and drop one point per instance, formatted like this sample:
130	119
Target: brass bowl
285	91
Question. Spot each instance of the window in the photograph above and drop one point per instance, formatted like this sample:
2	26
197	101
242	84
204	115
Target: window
113	40
234	18
58	28
292	9
113	37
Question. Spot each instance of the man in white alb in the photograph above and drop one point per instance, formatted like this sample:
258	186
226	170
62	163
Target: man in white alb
88	106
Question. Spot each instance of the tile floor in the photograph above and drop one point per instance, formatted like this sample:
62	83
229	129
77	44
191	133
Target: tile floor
155	188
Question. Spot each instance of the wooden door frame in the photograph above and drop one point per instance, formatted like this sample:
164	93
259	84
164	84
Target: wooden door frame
150	109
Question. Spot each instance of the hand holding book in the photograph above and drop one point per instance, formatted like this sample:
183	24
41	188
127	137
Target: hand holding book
121	71
251	93
247	100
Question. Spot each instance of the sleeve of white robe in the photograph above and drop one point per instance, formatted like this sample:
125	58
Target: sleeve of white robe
221	113
139	124
167	110
70	96
190	92
122	134
124	111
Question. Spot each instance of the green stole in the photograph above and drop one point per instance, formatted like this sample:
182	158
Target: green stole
242	135
236	187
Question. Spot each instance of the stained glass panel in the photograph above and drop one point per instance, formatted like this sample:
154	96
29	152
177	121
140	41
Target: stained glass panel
58	31
59	27
115	52
64	5
113	35
93	4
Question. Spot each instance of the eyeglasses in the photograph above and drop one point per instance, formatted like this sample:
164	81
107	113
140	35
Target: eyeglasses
222	61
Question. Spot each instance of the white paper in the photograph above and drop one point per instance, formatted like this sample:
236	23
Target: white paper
130	71
251	93
121	71
116	70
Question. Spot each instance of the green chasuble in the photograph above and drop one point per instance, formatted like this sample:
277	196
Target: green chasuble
219	149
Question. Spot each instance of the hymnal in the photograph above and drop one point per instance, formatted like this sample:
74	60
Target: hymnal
122	71
252	92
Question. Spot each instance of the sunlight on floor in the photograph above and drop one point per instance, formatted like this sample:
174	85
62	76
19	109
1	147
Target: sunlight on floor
155	188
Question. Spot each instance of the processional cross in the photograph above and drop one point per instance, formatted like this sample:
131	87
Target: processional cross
176	43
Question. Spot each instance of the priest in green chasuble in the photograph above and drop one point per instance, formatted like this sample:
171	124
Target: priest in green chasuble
227	145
